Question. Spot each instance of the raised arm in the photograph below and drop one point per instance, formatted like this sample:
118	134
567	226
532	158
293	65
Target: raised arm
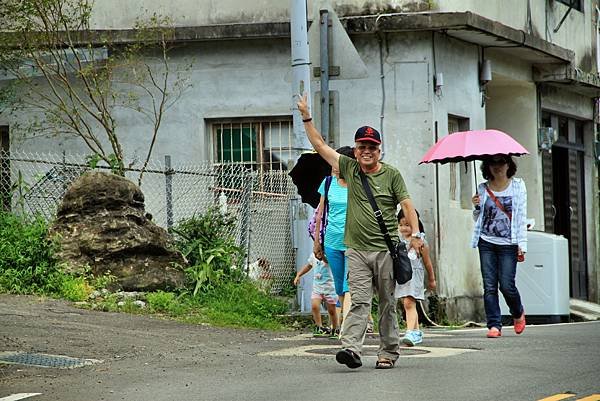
316	139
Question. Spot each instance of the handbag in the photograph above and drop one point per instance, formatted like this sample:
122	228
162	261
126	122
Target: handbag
402	265
520	257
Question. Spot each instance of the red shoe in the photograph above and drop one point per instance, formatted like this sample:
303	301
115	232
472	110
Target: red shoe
519	324
494	332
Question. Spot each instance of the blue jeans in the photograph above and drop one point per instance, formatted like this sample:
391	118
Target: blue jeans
339	269
499	267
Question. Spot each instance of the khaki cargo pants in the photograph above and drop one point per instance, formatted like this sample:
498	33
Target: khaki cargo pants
368	271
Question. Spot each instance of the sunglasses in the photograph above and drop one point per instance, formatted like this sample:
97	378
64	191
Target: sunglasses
498	161
370	148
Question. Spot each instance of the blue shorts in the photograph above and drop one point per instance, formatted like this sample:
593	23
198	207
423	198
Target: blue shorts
339	269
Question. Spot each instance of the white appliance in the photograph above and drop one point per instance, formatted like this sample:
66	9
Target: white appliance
543	279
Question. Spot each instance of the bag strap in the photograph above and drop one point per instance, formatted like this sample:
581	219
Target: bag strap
378	214
326	204
491	194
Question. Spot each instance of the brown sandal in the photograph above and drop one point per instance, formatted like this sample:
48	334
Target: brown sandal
384	363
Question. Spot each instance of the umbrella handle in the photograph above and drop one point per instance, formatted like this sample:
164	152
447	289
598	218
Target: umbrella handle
475	176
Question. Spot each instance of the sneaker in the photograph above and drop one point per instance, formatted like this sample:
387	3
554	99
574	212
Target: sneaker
494	332
319	331
369	327
334	334
412	337
418	337
519	324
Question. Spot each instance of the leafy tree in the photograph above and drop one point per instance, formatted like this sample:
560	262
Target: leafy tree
77	79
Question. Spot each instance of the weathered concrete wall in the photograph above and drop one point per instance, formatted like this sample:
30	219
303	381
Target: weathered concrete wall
209	12
511	108
577	33
459	277
592	213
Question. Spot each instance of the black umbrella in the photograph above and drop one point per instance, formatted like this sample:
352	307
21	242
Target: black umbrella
307	175
310	171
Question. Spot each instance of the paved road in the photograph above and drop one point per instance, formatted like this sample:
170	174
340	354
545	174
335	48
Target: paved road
144	358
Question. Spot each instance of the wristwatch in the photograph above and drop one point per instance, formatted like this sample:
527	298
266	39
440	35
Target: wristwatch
418	235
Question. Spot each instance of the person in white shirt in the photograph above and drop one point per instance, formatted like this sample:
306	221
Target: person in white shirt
500	233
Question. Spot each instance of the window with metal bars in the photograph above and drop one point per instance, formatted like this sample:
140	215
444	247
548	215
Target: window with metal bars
261	145
257	144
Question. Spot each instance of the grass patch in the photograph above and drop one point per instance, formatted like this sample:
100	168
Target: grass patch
229	305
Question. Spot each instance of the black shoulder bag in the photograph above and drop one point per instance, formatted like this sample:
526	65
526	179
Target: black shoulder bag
402	266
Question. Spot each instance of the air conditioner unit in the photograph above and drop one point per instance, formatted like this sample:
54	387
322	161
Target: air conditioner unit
543	280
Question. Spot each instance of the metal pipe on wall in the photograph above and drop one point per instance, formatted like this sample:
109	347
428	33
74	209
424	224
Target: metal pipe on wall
324	61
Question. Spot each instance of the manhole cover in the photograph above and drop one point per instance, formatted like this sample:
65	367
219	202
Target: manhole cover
368	351
45	360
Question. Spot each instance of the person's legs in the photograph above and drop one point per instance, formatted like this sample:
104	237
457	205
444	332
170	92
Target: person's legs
488	258
412	317
388	321
507	270
361	292
316	310
332	311
339	269
337	263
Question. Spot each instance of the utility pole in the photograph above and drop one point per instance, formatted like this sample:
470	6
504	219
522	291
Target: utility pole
300	212
300	70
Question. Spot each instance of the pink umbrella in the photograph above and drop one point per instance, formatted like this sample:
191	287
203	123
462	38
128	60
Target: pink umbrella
472	145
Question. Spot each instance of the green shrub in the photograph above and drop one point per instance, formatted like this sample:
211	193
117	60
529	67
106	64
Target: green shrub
210	249
27	262
26	255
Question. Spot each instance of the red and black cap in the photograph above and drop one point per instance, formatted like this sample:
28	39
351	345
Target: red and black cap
367	133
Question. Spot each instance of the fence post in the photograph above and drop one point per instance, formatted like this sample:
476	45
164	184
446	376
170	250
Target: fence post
169	190
246	210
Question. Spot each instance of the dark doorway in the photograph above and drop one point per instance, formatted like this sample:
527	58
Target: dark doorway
564	192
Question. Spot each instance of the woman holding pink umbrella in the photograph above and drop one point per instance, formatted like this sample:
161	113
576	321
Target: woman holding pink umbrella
500	233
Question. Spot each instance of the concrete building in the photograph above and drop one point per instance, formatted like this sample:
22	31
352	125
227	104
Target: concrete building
422	81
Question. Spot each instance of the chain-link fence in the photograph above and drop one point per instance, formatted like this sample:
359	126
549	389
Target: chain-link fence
35	184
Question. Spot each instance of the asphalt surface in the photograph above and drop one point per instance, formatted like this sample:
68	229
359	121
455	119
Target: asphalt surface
148	358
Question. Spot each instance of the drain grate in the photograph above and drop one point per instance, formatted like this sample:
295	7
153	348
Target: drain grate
45	360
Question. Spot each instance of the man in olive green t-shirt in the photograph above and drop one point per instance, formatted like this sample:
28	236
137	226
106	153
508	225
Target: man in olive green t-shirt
369	261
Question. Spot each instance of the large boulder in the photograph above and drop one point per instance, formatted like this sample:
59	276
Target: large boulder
101	224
